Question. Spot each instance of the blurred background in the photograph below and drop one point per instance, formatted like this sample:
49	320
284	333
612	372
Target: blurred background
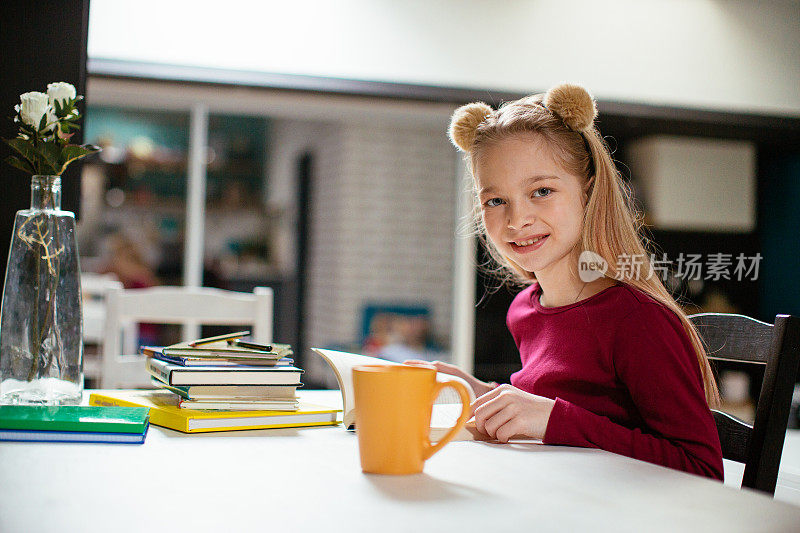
301	146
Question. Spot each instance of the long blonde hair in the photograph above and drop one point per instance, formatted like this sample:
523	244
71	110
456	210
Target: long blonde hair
564	119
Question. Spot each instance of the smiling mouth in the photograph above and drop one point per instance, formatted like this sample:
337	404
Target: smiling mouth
529	242
528	245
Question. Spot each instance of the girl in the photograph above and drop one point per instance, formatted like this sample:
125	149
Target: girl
609	360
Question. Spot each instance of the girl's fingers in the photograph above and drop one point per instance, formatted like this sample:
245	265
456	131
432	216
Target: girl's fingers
508	430
498	422
438	365
485	411
446	367
480	400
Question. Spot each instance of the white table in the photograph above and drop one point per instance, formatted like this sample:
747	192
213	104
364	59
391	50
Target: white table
788	487
310	480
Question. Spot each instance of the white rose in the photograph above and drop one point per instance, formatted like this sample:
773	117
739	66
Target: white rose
34	106
60	91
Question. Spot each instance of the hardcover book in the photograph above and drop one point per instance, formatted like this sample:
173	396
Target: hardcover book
173	374
22	435
215	360
73	418
241	405
228	345
164	411
230	392
73	423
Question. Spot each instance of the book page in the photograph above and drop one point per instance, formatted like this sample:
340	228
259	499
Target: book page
446	409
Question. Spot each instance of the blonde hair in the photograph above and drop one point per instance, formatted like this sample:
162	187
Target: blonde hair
564	119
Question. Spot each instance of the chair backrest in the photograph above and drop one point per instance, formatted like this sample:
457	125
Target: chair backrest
188	306
94	288
731	337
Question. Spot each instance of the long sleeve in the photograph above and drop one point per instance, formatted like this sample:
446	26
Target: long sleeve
653	359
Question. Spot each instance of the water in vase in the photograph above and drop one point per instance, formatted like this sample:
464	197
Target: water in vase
41	349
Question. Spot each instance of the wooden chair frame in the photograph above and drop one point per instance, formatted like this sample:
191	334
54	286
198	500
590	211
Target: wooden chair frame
732	337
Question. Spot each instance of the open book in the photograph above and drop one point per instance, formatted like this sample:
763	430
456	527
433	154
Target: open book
446	409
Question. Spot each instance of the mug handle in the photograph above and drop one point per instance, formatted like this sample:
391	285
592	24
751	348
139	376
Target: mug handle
429	449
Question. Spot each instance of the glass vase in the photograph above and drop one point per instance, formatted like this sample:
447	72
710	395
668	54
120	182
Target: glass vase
41	348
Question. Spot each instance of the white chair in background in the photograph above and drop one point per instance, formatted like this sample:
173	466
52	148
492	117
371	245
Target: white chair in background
123	367
94	288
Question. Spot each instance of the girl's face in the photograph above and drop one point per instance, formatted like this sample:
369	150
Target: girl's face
532	208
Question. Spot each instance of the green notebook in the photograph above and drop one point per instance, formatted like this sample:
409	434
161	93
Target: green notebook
83	418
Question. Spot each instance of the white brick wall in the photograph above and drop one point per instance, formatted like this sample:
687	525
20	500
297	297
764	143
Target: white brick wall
382	228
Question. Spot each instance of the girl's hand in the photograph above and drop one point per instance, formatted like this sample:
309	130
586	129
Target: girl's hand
478	387
507	411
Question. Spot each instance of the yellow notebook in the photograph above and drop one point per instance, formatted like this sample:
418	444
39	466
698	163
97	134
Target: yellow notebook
164	411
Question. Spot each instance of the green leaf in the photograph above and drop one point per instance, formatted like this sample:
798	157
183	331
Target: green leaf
20	164
28	151
71	152
24	147
58	107
43	122
50	153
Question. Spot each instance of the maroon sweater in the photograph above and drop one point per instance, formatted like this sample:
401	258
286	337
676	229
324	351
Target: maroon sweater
624	376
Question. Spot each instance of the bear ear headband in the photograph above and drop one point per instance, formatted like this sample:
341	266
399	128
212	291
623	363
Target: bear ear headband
571	103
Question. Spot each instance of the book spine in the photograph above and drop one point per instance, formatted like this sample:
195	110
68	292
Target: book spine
222	405
172	359
20	435
161	373
263	426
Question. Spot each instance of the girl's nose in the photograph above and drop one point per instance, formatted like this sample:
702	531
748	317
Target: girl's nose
519	218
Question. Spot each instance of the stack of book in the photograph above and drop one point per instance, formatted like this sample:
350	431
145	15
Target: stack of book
221	384
164	411
226	373
74	423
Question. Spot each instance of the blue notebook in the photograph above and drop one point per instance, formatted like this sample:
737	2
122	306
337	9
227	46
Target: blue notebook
22	435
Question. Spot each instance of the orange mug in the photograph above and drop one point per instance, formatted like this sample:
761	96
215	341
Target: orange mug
393	416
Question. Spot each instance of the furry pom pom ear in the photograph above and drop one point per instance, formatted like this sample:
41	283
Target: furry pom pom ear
573	104
464	124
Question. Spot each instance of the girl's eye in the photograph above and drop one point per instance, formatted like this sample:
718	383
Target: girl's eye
546	190
493	202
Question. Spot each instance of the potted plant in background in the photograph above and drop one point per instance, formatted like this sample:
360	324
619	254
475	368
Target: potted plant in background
41	348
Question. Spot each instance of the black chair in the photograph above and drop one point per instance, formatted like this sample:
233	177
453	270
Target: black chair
730	337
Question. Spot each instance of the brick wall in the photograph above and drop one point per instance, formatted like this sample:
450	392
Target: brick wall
382	228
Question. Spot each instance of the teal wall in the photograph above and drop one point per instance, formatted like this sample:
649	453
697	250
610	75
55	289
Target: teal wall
779	226
242	142
239	143
121	126
166	130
